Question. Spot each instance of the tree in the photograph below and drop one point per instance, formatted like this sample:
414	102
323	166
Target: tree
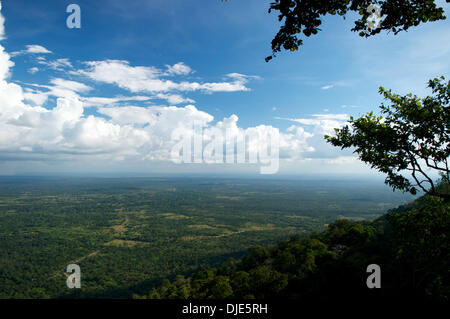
345	233
420	246
305	16
413	136
221	288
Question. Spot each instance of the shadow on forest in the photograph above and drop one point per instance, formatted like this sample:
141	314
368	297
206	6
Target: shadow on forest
144	287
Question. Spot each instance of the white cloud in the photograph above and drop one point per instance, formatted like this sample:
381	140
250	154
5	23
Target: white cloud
328	121
120	72
5	64
111	101
149	79
319	126
58	65
339	117
35	96
327	87
32	49
174	98
178	69
33	70
118	132
70	85
137	132
60	88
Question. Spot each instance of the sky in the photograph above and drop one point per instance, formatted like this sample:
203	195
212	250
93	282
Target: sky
116	95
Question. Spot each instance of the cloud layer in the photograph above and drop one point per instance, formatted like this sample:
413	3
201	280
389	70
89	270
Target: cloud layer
50	120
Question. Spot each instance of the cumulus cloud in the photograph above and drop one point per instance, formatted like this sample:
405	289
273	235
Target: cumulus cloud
320	125
63	130
34	96
150	79
120	131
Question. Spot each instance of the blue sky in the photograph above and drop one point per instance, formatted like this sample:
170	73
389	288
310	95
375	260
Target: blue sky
163	55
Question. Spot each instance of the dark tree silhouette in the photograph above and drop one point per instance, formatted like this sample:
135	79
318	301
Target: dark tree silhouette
305	16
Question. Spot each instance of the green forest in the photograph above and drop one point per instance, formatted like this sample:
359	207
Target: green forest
410	244
127	235
311	232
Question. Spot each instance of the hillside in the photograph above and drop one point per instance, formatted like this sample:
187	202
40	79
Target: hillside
410	244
